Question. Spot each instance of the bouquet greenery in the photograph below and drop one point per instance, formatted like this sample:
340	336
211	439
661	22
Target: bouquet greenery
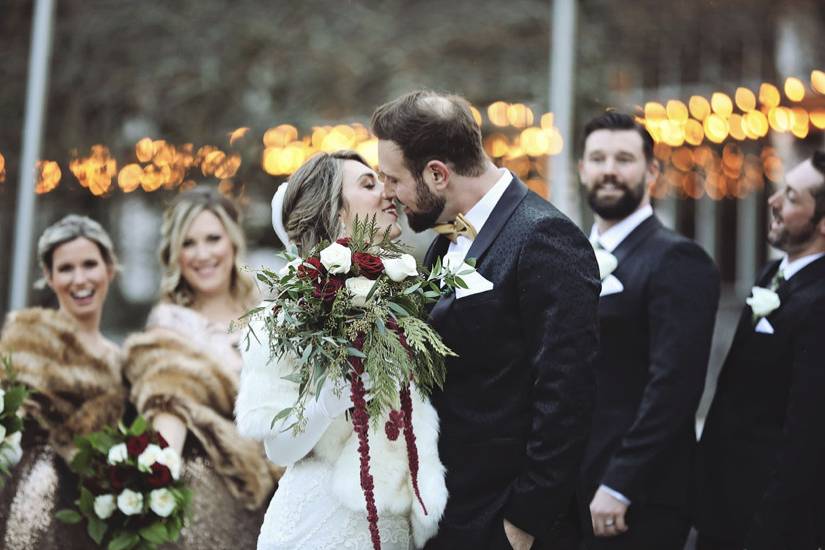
12	396
131	492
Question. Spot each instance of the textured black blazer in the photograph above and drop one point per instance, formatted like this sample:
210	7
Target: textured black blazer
516	406
650	371
761	467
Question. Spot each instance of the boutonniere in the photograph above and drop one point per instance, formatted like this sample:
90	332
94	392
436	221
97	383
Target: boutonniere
607	263
763	302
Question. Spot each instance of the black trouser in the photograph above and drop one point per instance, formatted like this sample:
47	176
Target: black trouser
705	542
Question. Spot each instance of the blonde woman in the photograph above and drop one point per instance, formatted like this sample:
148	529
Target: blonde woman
319	503
184	369
74	374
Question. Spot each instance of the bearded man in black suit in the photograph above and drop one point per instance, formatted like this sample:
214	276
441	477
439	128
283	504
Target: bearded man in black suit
516	405
761	468
657	309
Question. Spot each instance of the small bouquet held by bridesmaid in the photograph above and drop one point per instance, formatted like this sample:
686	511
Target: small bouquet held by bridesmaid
12	396
131	492
356	310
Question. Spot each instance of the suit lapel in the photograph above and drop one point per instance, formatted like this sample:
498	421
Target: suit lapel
636	238
813	272
504	208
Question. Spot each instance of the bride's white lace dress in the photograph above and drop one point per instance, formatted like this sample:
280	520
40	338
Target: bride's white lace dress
305	514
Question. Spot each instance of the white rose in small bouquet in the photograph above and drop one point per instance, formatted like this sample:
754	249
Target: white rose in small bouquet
2	399
10	450
763	301
400	268
105	506
337	259
117	454
148	457
170	458
130	502
162	502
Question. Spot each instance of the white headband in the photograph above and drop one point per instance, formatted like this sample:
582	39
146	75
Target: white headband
278	216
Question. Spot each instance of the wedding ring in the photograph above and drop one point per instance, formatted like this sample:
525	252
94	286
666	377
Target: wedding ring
609	522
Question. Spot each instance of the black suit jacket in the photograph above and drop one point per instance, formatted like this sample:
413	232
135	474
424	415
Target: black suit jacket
650	370
516	405
762	453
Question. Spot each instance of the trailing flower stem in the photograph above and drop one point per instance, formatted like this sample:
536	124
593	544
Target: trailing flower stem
409	437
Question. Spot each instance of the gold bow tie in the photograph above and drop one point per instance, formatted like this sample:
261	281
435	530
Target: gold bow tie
461	226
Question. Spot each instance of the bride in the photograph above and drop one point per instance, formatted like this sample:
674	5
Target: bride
319	503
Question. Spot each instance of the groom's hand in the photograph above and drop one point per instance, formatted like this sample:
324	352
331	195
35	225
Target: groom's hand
607	514
519	540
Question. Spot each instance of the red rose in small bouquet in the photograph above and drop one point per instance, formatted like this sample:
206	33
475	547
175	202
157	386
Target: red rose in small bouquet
131	492
359	305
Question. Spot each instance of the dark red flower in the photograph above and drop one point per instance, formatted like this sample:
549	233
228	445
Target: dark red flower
161	442
118	477
409	437
327	290
344	241
369	265
160	476
357	363
311	269
393	426
136	444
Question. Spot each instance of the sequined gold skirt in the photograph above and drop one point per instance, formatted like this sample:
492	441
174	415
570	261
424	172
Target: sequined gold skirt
40	485
219	522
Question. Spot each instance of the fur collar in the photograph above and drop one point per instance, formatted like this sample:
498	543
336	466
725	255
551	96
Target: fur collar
76	390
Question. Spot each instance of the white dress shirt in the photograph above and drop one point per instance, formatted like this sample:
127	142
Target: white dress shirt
613	237
478	215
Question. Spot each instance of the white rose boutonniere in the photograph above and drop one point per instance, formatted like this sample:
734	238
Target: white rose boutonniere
337	258
763	301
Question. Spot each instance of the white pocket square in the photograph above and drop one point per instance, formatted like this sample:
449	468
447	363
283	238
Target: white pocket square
476	283
764	326
611	285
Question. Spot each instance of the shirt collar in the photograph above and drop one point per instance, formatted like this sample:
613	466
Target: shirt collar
613	237
480	212
789	269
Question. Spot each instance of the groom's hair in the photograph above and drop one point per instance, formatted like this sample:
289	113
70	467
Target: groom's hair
429	126
613	120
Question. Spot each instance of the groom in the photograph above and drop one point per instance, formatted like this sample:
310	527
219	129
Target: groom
516	406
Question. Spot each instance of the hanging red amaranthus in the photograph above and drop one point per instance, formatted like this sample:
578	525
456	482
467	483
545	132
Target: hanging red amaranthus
409	437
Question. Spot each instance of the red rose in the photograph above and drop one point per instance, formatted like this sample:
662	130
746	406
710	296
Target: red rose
344	241
118	477
326	291
311	269
369	265
137	444
161	442
160	476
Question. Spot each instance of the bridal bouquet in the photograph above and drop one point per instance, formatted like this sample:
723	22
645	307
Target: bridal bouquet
131	494
358	307
11	424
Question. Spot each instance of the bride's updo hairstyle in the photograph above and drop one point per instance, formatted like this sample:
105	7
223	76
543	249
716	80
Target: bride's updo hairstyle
314	200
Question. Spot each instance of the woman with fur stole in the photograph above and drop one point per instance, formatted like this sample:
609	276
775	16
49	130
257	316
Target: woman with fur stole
184	370
320	503
73	373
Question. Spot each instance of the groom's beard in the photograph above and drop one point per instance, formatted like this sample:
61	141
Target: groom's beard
616	209
430	206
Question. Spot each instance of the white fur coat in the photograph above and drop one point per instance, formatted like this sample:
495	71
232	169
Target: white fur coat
263	393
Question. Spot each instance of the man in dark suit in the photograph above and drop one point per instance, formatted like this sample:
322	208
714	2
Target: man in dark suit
516	405
657	309
761	468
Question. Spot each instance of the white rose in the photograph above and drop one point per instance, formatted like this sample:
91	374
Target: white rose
293	264
2	432
170	458
2	399
763	301
117	454
400	268
105	506
359	287
148	457
130	502
607	263
337	259
10	450
162	502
